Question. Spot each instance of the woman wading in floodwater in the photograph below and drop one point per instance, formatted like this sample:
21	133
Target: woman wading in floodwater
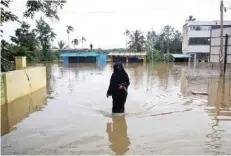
118	88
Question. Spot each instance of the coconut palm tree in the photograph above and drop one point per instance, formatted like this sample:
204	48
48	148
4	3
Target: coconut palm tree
75	42
126	33
69	30
83	40
137	41
151	39
61	44
190	18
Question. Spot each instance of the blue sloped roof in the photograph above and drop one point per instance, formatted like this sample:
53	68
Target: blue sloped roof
84	54
181	55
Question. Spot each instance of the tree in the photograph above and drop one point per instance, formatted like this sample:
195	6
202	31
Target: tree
26	41
69	30
137	41
151	40
169	40
6	16
49	8
75	42
91	46
126	33
176	43
45	35
82	40
190	18
61	44
25	37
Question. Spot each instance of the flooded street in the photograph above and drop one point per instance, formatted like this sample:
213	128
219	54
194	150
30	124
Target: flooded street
162	116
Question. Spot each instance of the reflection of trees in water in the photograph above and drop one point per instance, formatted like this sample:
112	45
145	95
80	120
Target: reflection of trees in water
219	93
162	71
117	135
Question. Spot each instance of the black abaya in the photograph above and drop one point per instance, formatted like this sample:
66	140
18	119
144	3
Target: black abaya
118	88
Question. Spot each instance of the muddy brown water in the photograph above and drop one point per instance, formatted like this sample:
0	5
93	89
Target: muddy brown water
73	115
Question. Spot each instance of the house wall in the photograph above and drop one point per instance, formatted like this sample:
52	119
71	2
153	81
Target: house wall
90	59
215	45
198	49
199	34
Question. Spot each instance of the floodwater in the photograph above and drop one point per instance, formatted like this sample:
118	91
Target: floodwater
162	116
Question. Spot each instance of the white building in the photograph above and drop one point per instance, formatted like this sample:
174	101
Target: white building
197	38
215	44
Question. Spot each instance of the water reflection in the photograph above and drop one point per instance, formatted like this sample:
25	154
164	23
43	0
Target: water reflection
117	134
14	112
219	108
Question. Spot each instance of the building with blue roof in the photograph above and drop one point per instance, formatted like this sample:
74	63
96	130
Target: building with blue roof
82	56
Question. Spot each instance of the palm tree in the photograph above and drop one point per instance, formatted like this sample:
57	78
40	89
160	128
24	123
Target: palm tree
61	44
75	42
91	46
126	33
83	40
151	39
190	18
69	30
137	41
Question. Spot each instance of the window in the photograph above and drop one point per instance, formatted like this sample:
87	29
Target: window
218	26
200	28
199	41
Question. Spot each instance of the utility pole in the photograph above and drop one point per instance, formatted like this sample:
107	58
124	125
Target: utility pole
221	40
152	44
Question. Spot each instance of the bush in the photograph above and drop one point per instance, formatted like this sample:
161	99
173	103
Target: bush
158	56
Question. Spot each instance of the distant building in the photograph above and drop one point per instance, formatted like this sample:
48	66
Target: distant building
82	56
197	38
215	44
130	57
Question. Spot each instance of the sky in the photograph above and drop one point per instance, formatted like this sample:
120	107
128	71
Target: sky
103	22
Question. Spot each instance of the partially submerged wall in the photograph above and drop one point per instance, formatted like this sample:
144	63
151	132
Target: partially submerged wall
19	83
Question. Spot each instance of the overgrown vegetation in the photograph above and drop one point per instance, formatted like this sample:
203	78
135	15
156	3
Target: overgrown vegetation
158	56
35	44
167	42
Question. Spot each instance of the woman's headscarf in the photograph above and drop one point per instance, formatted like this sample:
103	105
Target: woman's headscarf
118	68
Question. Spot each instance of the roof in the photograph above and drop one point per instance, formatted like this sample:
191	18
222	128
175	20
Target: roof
181	55
86	54
128	54
215	22
74	50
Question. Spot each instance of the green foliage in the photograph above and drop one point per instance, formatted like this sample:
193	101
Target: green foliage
49	8
69	29
75	42
91	46
159	56
137	41
190	18
7	16
45	35
61	44
28	42
169	39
